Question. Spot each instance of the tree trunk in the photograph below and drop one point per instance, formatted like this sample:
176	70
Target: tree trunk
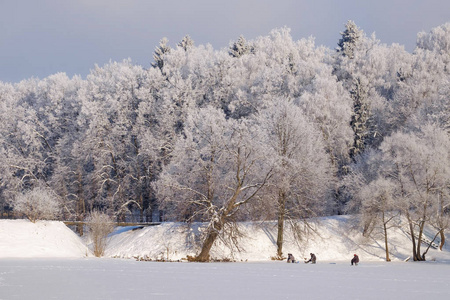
207	245
218	223
139	183
386	239
222	215
441	221
413	238
211	237
141	208
81	207
442	242
281	217
419	242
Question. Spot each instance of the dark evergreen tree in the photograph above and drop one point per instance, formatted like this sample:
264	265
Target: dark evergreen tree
360	116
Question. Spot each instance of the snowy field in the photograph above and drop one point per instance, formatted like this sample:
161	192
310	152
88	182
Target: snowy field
46	260
92	278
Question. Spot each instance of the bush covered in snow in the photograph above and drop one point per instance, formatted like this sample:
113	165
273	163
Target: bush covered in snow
37	204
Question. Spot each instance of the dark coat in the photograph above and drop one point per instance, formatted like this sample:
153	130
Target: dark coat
355	259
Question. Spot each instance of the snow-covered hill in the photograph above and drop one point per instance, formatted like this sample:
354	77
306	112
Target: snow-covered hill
334	240
21	238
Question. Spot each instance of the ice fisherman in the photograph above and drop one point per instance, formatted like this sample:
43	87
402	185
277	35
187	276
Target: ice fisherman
355	260
312	259
290	258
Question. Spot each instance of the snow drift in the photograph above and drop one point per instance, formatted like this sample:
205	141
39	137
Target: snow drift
24	239
334	240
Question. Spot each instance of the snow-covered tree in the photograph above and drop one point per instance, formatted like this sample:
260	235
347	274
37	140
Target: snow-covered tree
39	203
420	87
110	146
329	106
153	139
100	142
8	111
27	142
351	37
160	51
378	205
360	116
373	194
215	169
374	199
438	39
186	43
303	175
61	107
240	47
421	171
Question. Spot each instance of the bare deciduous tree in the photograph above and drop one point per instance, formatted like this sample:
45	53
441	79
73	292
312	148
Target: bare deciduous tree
378	206
100	226
421	170
303	175
215	169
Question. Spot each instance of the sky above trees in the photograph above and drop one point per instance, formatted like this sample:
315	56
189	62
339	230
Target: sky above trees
40	38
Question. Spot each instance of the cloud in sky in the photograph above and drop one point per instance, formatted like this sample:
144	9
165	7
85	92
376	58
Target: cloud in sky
40	38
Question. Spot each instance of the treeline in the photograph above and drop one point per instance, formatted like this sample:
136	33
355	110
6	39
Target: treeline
268	129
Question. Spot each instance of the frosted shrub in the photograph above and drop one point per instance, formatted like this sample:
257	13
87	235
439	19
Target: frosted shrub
37	204
99	225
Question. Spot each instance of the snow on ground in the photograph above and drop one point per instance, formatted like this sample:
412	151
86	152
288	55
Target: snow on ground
334	240
53	264
22	238
111	279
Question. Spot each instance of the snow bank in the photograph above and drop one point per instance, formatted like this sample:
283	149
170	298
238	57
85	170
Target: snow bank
334	240
24	239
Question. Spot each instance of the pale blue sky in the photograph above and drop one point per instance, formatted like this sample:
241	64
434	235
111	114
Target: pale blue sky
42	37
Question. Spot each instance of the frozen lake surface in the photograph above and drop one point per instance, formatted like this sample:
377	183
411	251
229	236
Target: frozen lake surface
93	278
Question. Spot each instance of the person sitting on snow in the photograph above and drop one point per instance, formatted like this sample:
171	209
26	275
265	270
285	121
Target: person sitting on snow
290	258
355	260
312	259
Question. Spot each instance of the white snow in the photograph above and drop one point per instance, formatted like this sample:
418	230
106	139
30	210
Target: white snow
22	238
110	279
334	241
46	260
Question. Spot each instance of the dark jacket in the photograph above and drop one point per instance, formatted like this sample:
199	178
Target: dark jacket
355	259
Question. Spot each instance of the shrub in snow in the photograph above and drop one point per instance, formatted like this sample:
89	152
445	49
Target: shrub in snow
99	225
37	204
